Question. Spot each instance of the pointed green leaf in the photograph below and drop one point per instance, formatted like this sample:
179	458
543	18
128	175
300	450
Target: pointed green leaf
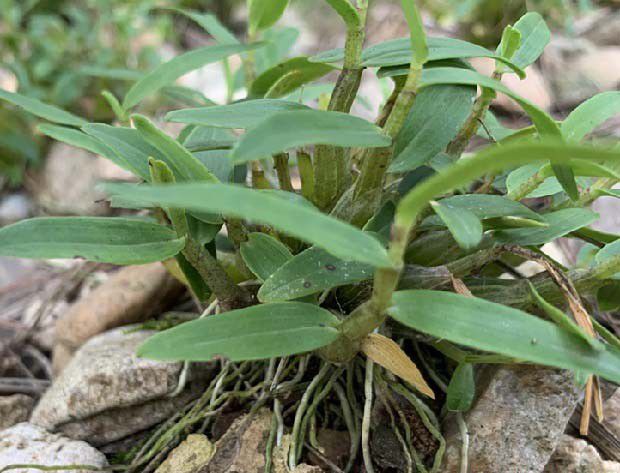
128	145
561	319
535	35
170	71
487	206
210	24
462	388
254	333
397	52
109	240
561	223
511	40
434	120
452	75
285	130
186	167
500	329
79	139
465	227
265	13
264	255
311	271
41	109
289	75
245	114
270	208
494	159
590	114
609	251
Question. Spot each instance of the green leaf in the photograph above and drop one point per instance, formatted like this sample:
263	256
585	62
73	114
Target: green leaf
264	254
535	35
434	120
186	167
311	271
489	160
132	151
608	297
108	240
245	114
286	130
609	251
500	329
270	208
284	78
486	206
511	40
210	24
465	227
563	320
347	12
452	75
561	223
462	388
170	71
397	52
254	333
590	114
41	109
195	281
417	35
265	13
79	139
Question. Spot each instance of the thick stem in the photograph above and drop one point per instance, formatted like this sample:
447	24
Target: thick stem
282	170
331	173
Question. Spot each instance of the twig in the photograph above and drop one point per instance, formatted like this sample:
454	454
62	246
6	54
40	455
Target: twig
23	385
366	418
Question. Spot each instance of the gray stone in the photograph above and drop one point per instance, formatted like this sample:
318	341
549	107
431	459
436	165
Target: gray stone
516	421
577	70
68	182
14	409
27	444
242	448
577	456
191	456
107	392
611	408
14	207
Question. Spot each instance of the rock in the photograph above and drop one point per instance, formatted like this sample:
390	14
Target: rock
577	456
14	409
534	87
107	393
133	294
577	70
604	28
191	456
611	407
14	207
242	448
516	421
31	445
280	459
59	189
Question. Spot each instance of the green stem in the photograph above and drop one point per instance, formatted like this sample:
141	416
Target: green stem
470	127
282	170
331	174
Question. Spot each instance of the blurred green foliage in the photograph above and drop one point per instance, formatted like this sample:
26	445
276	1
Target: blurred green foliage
66	52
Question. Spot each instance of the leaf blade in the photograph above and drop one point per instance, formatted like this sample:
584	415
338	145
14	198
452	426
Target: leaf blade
499	329
110	240
257	332
41	109
286	130
302	221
